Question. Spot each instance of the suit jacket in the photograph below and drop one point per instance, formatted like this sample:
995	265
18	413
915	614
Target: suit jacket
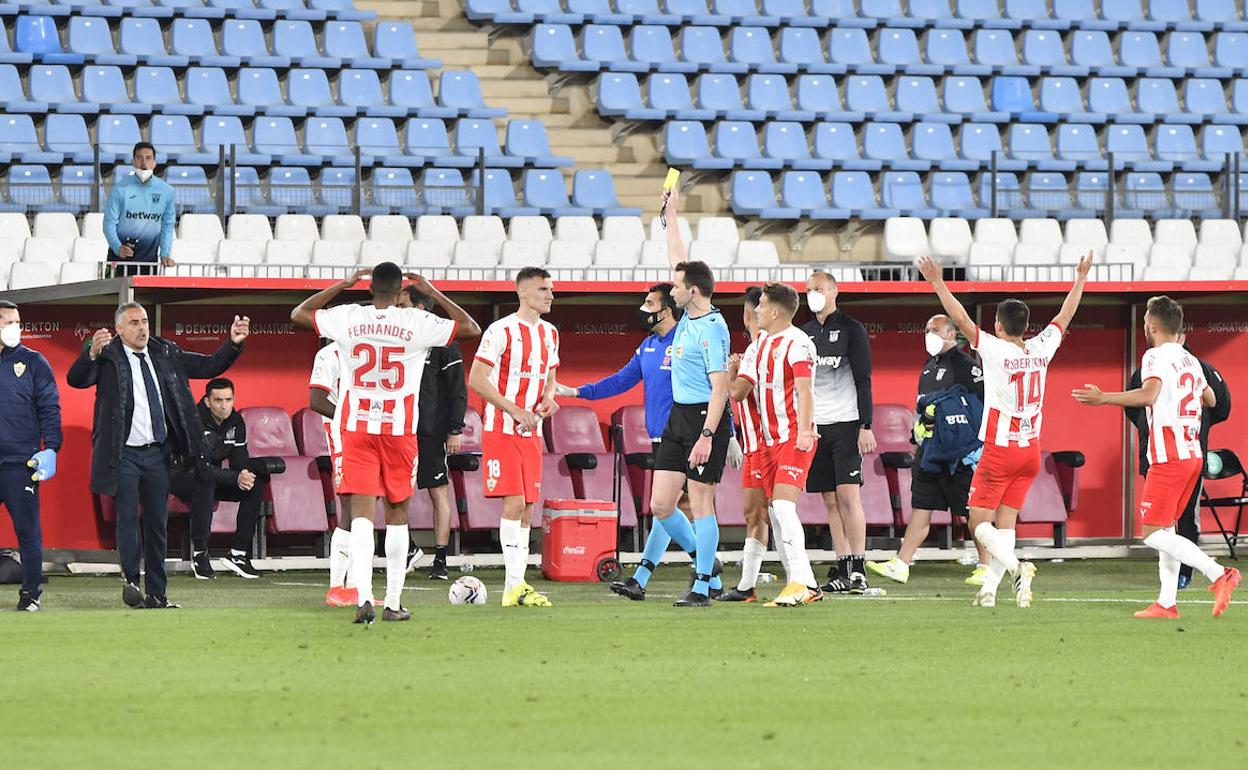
110	375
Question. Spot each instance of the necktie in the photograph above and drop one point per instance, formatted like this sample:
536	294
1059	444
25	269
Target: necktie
159	433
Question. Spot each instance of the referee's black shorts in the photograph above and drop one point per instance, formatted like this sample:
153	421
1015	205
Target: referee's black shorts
684	428
431	465
837	460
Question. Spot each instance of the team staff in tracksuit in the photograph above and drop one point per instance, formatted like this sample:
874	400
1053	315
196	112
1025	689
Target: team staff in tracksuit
30	437
843	416
139	216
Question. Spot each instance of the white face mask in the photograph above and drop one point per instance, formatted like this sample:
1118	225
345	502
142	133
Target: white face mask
143	174
816	301
934	343
11	335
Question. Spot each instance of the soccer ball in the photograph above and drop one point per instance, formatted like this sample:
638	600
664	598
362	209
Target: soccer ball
466	590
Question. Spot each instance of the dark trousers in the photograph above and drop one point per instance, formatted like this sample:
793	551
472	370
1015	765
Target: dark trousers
200	495
21	496
1189	523
143	482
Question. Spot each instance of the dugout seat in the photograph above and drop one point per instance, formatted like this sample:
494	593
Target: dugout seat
574	439
1054	495
476	511
312	441
1231	469
296	494
630	439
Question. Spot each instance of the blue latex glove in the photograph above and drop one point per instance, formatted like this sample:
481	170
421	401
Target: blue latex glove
44	465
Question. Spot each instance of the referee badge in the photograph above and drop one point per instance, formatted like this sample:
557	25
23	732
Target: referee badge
19	368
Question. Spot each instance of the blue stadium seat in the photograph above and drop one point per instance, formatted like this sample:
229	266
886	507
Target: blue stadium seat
917	96
243	9
1090	48
753	194
143	39
1193	194
866	94
1060	96
227	131
1045	49
685	144
1078	144
985	12
785	142
555	48
1034	14
603	45
899	48
965	96
174	139
500	195
258	88
335	188
1009	195
1223	13
1204	99
207	88
1090	190
290	189
105	87
947	48
742	12
995	48
752	46
13	93
651	45
37	35
30	187
1143	194
7	54
92	38
1131	150
818	94
18	141
116	136
296	41
704	48
978	142
472	135
619	95
1187	50
1177	144
342	9
308	89
1230	50
546	11
736	144
884	142
843	12
410	90
293	9
933	143
690	11
426	140
156	88
793	14
595	190
854	192
1217	141
836	142
191	9
804	191
718	96
644	12
952	196
770	94
1157	96
1013	95
245	39
1126	13
1140	51
328	137
1239	104
378	141
903	191
1081	13
275	136
51	83
461	90
344	40
1109	96
359	92
1048	194
887	12
848	48
193	39
546	190
76	184
1031	143
249	194
527	140
934	13
191	193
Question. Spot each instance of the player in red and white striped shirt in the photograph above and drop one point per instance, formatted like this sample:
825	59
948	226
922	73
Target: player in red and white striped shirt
323	399
1014	376
514	372
778	378
383	349
1173	391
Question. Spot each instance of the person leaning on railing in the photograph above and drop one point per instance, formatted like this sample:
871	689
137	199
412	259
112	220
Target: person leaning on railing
139	218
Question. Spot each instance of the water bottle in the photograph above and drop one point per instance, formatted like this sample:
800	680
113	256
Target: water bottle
873	591
766	577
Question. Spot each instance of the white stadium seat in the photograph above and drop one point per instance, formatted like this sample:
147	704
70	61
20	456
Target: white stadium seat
996	230
476	254
1043	231
1170	255
93	226
623	229
1211	273
30	275
437	228
249	227
1071	253
657	233
534	229
373	253
484	228
87	250
422	255
1212	255
579	229
1035	253
59	225
50	250
757	254
713	253
1243	256
296	227
1241	274
282	252
654	254
1127	254
1087	234
1134	231
521	254
615	254
342	227
188	252
723	229
15	226
1220	232
1165	273
201	227
10	252
950	240
336	253
1176	232
391	228
986	260
571	253
232	252
905	239
79	272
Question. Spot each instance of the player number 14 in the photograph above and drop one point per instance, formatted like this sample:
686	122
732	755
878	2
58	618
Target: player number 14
1033	394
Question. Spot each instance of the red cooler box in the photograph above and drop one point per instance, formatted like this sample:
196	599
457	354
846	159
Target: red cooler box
578	539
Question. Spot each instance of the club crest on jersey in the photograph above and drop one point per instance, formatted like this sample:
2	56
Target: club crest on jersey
940	374
155	197
490	483
19	369
834	335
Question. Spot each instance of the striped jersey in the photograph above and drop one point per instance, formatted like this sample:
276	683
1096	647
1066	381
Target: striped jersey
745	412
1014	385
781	359
382	355
326	371
521	356
1174	418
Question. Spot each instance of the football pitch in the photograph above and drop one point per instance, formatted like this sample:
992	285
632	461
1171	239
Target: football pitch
260	674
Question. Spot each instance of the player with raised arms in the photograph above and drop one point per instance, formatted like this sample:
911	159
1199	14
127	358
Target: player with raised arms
383	348
1014	374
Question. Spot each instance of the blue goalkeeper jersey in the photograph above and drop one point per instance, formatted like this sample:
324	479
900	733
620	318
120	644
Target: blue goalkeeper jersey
142	215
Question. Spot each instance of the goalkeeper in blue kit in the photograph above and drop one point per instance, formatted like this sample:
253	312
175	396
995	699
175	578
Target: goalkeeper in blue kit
139	216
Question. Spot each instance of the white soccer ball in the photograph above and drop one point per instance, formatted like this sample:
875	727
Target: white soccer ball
467	590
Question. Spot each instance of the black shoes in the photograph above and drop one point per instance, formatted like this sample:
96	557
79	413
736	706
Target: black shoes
737	595
857	583
414	554
438	571
26	602
389	614
365	614
240	564
694	599
630	589
201	565
835	585
131	595
160	603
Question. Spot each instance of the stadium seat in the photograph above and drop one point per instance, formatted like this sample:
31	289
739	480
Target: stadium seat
66	136
884	142
193	39
77	183
244	39
526	140
753	194
500	195
785	143
854	191
547	191
917	96
802	48
553	47
965	96
295	40
462	90
298	501
757	254
445	190
651	46
1084	234
155	90
410	91
360	92
396	41
595	190
91	38
769	95
1044	48
717	96
1090	191
474	136
950	239
30	187
51	83
1090	48
208	90
1180	233
308	91
619	94
32	275
933	143
905	239
836	142
804	192
849	48
952	195
903	191
37	35
1078	144
1219	141
627	230
866	94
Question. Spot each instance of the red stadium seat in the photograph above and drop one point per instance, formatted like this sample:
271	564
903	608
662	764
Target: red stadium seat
629	428
729	501
893	426
312	441
1054	494
297	495
877	499
477	512
574	430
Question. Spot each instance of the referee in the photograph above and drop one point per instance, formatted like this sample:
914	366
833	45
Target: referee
843	416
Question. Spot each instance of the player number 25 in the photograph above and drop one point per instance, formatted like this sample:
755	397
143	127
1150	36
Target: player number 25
391	371
1034	394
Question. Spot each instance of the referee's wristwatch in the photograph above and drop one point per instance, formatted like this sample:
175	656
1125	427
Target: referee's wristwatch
708	433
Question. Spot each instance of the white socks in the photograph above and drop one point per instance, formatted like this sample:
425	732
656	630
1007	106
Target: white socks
1168	571
396	564
780	548
515	542
339	557
1000	543
997	568
1179	547
751	563
362	564
792	536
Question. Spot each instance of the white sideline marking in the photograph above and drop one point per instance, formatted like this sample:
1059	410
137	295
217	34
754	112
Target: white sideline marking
322	585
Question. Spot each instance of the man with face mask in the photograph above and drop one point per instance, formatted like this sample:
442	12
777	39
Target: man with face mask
30	437
139	216
947	365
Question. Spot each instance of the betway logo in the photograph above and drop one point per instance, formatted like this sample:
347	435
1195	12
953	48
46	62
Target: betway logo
574	550
143	215
832	361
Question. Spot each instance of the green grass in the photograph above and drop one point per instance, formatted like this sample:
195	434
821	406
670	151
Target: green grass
254	674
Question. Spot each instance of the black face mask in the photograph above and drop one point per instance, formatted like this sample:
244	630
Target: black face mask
648	319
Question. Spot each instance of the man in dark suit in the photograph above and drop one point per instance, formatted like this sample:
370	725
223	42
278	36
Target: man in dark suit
1189	523
145	422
